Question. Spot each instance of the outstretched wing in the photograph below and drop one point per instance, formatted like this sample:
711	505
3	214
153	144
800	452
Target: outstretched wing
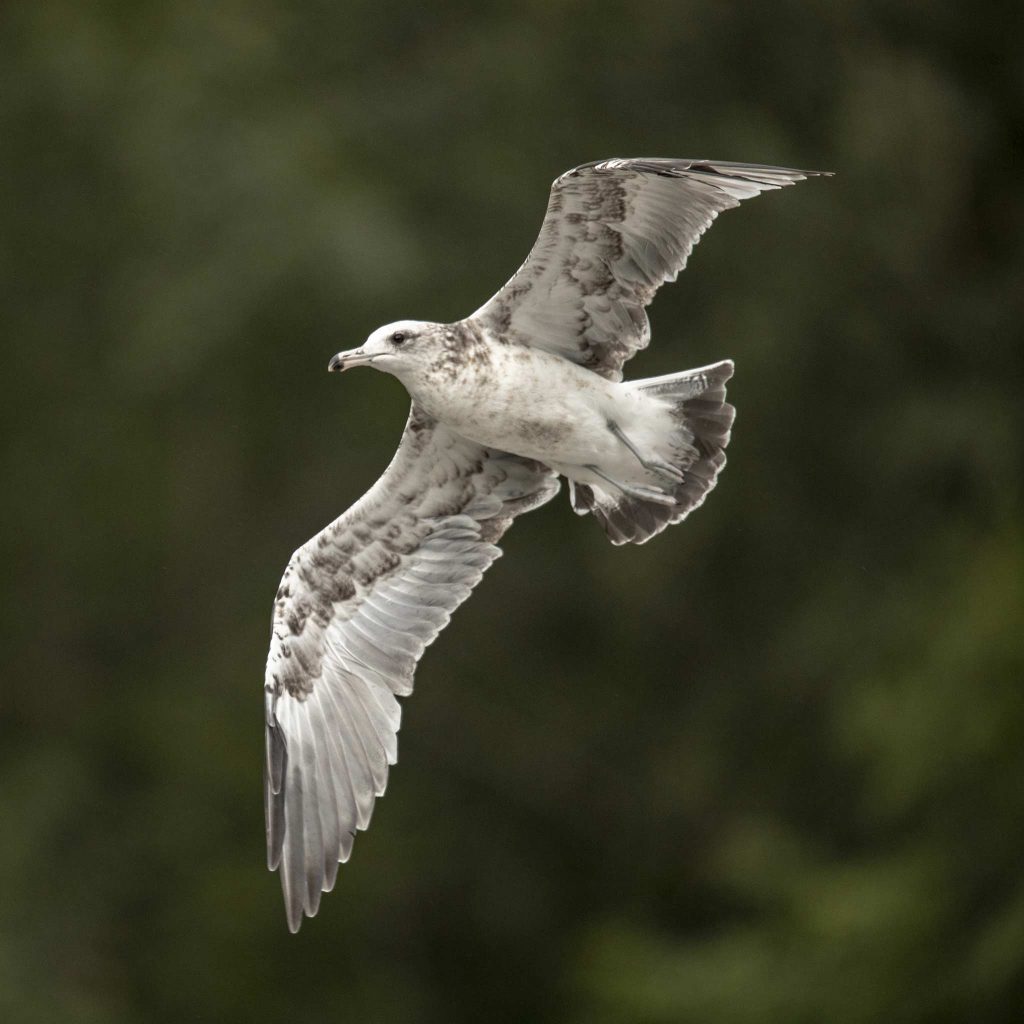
356	608
614	232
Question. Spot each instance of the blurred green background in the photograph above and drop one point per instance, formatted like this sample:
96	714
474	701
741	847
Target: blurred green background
768	768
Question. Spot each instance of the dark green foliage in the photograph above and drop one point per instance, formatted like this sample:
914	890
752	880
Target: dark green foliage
767	768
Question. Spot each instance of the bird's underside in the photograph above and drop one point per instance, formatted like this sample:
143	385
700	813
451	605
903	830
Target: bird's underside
360	601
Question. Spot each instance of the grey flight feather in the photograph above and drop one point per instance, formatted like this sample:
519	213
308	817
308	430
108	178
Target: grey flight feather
614	232
356	608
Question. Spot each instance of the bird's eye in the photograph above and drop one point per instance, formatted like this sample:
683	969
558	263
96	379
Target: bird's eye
398	337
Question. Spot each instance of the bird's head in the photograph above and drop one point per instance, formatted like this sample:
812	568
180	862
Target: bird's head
403	349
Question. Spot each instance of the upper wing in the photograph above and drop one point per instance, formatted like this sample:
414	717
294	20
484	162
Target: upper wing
357	605
614	232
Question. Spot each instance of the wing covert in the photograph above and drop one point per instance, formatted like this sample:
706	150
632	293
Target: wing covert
614	232
356	608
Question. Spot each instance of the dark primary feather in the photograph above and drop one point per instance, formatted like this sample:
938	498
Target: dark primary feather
614	232
357	605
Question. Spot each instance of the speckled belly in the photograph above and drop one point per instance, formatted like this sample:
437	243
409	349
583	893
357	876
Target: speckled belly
559	415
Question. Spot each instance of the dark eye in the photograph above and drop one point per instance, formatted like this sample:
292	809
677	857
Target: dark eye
398	337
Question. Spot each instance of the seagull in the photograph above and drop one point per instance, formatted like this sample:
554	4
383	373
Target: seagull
525	391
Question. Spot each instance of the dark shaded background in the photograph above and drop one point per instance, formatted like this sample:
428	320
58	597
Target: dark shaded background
767	768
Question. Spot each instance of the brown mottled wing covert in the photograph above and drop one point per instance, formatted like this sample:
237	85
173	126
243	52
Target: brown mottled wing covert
356	608
614	232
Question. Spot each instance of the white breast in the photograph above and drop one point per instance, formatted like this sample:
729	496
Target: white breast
528	402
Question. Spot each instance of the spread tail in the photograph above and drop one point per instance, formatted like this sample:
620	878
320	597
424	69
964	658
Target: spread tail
703	421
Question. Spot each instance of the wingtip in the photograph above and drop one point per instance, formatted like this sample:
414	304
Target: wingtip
673	166
292	907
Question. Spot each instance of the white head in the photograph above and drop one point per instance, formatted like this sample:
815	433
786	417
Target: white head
403	349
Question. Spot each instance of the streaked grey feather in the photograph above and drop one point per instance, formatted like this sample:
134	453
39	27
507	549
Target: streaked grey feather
358	605
613	233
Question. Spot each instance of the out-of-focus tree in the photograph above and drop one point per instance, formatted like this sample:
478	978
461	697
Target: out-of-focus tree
766	768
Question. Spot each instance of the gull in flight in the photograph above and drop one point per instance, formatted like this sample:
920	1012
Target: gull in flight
505	402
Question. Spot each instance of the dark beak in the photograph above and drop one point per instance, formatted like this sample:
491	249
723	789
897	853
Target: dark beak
345	360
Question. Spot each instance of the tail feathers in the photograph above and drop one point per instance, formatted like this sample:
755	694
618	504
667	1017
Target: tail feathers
704	422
